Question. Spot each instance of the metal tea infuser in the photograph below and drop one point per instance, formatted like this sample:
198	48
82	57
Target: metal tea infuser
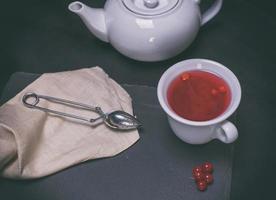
119	120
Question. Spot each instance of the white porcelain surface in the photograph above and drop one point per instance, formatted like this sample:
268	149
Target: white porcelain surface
194	132
146	30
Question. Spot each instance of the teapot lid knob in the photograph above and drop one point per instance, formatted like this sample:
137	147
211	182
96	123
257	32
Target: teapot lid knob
150	7
151	3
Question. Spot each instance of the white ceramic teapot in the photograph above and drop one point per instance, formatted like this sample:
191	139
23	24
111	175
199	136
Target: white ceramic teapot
146	30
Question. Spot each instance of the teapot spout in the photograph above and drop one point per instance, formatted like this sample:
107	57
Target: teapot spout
93	18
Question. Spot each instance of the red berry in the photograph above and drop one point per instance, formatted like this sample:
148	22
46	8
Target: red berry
199	176
202	185
185	76
214	92
197	169
222	89
207	167
209	178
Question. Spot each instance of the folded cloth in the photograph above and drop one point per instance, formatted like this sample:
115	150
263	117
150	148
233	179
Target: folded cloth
34	144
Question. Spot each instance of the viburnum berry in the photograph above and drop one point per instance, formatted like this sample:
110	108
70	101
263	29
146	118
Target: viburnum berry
197	169
185	76
207	167
222	89
199	176
214	92
202	185
208	178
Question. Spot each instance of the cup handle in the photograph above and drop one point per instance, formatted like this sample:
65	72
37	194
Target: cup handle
227	132
211	12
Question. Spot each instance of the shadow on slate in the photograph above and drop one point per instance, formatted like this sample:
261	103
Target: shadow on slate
157	167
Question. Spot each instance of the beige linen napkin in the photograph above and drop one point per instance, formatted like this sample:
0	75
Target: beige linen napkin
34	144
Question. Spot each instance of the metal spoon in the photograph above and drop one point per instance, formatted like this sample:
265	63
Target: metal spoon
119	120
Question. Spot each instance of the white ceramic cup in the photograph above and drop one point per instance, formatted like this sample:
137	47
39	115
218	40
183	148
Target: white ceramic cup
200	132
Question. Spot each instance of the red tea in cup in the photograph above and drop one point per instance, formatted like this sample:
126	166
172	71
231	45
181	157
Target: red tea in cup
198	95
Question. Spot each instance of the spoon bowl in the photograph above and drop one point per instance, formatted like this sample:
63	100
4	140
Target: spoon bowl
121	120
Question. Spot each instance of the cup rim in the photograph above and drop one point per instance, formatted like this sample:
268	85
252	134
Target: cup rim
175	116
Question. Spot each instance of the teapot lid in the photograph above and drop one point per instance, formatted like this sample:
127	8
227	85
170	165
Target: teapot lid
150	7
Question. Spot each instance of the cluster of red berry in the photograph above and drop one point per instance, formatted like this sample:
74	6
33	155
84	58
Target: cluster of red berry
203	175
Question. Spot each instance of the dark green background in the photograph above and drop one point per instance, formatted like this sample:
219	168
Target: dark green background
42	36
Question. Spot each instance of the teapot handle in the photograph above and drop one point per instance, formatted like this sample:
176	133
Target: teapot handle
211	12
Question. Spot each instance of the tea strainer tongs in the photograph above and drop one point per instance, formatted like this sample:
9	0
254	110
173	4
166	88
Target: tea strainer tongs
119	120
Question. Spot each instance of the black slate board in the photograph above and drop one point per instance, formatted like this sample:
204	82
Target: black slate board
157	167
